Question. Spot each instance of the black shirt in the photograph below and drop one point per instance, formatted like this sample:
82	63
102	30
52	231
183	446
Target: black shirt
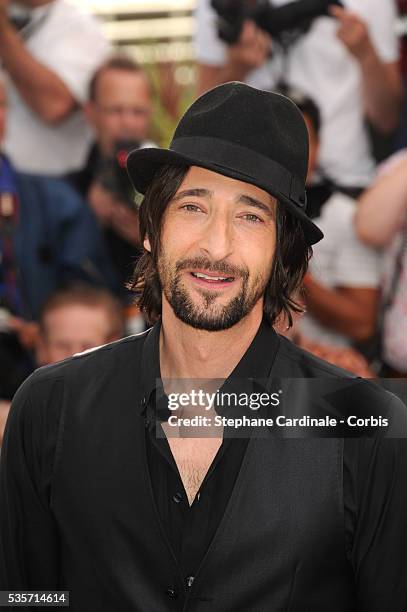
94	401
191	529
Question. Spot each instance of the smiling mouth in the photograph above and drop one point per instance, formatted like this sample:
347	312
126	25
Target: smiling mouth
212	278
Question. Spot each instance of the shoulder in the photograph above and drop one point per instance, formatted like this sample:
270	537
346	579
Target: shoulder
44	399
347	391
102	360
303	364
41	193
68	13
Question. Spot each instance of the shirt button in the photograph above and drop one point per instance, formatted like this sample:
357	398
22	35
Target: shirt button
177	498
172	592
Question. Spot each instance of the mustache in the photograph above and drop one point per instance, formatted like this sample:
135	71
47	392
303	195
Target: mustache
212	266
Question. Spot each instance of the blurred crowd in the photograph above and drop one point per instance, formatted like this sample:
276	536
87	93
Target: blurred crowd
71	108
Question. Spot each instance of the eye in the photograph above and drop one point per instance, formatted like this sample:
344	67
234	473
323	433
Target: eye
191	208
252	218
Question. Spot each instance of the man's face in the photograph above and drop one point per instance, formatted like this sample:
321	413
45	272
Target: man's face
71	329
122	108
3	109
218	241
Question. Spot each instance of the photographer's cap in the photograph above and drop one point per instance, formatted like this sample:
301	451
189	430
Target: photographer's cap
248	134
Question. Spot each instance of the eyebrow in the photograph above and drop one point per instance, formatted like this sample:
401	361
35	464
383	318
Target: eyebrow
246	199
197	193
242	199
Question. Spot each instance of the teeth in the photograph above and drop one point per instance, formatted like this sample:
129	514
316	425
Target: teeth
200	275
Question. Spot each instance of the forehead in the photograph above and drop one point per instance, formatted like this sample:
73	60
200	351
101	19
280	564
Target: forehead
110	79
76	317
201	178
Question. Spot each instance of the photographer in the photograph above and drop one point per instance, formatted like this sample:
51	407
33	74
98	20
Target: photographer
346	61
119	110
49	51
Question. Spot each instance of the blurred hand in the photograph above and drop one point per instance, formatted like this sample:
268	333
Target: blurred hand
124	221
352	31
113	213
4	410
252	48
102	203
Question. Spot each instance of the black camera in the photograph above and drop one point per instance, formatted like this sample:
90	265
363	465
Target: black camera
112	172
282	22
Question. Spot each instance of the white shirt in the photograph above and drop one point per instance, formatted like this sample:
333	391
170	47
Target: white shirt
340	259
72	45
321	67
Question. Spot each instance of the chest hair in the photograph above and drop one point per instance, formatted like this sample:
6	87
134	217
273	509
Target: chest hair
193	457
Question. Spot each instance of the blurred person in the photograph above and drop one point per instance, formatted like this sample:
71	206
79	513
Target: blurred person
381	222
76	319
48	236
119	110
341	288
347	62
98	496
49	51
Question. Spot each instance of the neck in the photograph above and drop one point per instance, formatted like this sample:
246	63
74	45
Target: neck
186	352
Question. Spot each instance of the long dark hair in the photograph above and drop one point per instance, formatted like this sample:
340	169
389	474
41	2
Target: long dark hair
290	260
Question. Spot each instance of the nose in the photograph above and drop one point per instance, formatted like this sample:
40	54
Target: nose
129	119
217	239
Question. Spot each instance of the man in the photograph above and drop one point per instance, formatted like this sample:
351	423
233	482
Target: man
73	319
119	110
95	500
384	227
346	61
342	284
49	51
48	236
76	319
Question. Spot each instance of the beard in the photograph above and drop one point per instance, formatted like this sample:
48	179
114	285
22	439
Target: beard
209	315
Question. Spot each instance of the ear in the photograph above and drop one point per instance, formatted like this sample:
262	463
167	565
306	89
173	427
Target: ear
147	244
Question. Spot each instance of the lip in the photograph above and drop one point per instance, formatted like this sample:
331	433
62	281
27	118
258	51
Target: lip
208	284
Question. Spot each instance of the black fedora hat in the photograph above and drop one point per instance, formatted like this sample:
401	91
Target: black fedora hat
255	136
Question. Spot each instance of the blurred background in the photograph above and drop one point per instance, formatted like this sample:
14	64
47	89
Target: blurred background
83	82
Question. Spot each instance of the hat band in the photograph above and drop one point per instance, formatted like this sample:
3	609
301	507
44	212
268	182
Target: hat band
253	165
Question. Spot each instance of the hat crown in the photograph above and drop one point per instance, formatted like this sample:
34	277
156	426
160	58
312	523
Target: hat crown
258	137
264	122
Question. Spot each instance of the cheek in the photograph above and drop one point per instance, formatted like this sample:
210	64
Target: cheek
259	253
110	126
178	238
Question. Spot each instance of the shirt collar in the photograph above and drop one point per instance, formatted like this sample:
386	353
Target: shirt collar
256	363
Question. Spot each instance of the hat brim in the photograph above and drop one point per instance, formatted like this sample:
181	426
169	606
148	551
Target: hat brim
143	164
